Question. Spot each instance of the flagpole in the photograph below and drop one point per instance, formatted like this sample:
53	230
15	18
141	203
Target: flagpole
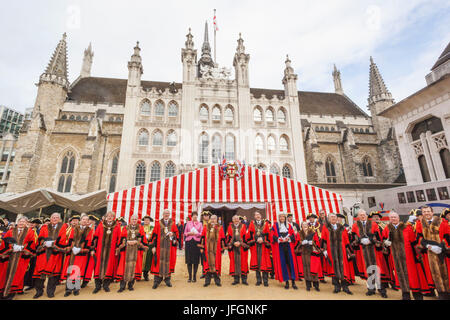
215	19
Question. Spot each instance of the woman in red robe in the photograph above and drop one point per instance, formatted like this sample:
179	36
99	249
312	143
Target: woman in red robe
284	259
212	243
106	240
237	250
15	250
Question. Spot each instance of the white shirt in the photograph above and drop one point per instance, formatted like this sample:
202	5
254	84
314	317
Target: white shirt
283	228
334	226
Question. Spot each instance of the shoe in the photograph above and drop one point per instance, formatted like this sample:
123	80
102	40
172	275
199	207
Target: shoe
370	292
96	290
294	286
28	288
336	289
258	283
167	282
286	286
51	295
67	293
308	288
323	281
347	291
384	295
76	292
155	285
38	294
316	286
84	284
266	284
121	290
189	280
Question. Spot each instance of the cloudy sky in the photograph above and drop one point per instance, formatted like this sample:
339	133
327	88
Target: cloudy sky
404	37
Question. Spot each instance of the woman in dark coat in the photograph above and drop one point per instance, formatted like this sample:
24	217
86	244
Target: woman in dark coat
192	235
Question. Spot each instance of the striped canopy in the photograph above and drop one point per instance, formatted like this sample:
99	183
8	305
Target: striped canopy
191	190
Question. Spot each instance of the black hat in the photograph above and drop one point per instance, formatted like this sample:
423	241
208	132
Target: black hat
147	217
92	217
46	220
120	219
445	212
417	212
206	213
289	215
74	217
375	213
340	215
36	220
311	215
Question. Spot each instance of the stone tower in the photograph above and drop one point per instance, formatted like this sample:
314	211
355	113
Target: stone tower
87	62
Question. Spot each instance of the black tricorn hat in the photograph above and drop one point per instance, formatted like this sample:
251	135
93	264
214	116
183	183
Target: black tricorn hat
375	213
147	217
416	212
340	215
289	215
36	220
46	220
92	217
206	213
445	212
74	217
311	215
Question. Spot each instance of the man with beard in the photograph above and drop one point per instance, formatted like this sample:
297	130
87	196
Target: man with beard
367	239
399	241
147	258
258	240
433	249
164	241
336	249
50	253
78	247
237	250
132	241
106	238
15	252
212	244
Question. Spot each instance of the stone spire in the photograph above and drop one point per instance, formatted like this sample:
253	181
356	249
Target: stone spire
56	71
337	81
377	88
87	62
206	48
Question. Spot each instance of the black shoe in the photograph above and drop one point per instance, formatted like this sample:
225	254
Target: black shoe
406	296
258	283
84	284
316	286
308	285
308	288
121	289
266	284
146	276
167	282
370	292
236	281
28	288
336	289
294	286
122	286
286	286
244	281
98	286
50	295
67	293
417	295
384	295
38	294
155	285
76	292
347	291
96	290
130	288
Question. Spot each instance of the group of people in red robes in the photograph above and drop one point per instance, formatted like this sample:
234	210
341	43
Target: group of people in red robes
411	256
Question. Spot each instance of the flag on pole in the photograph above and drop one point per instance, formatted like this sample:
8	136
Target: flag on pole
216	28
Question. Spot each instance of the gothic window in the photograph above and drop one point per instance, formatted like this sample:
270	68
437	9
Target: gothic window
269	115
361	130
78	118
72	117
367	130
432	124
424	168
274	169
157	139
85	118
259	144
286	171
330	170
216	114
257	114
322	129
229	116
367	167
173	109
155	171
169	169
445	159
204	148
271	143
261	166
64	117
216	148
114	169
143	138
327	129
204	114
145	108
140	174
171	139
284	145
229	147
159	108
281	116
66	172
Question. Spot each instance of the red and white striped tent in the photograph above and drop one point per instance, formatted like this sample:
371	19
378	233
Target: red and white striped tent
185	192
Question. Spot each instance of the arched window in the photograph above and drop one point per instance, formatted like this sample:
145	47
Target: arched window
284	144
66	172
145	108
216	114
169	169
229	116
171	139
274	169
445	159
113	177
271	145
257	114
72	117
261	166
269	115
424	168
140	173
159	108
229	147
203	148
157	139
143	138
64	117
327	129
361	130
155	171
286	171
204	114
322	129
78	118
432	124
259	144
216	148
330	170
173	109
367	130
281	115
85	118
367	167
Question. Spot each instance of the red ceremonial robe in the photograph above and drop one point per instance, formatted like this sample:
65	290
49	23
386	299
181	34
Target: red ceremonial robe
279	261
444	234
241	237
49	261
81	239
156	237
220	239
123	247
106	258
15	264
252	237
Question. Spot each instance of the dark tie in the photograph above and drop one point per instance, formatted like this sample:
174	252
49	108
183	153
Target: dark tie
429	222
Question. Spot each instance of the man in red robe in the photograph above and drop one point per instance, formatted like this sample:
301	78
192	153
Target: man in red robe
212	244
445	235
79	244
164	241
15	251
258	239
132	242
50	252
237	250
337	250
367	239
106	239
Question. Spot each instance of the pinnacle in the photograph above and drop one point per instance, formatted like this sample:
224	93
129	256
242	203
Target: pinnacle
376	83
58	62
